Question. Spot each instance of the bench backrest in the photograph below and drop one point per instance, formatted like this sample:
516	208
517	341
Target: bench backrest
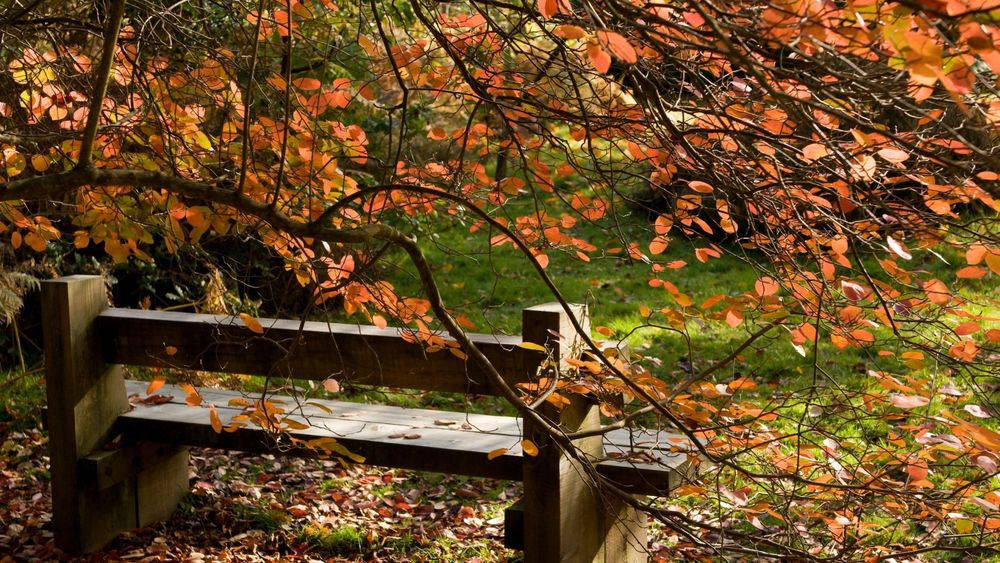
316	351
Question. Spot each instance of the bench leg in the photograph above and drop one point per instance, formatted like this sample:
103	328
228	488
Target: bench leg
161	487
565	519
85	397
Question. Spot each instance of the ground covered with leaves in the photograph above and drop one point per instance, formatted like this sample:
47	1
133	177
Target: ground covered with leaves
272	508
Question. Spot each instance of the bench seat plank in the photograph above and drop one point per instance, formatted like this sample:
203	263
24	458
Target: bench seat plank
407	438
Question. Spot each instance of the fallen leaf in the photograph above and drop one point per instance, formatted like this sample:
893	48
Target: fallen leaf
908	401
976	411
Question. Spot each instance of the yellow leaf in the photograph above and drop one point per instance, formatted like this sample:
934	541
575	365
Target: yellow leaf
532	346
529	447
252	323
170	350
496	453
294	424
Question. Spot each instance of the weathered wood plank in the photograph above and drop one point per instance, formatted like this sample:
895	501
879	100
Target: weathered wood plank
354	421
439	449
84	396
311	350
341	418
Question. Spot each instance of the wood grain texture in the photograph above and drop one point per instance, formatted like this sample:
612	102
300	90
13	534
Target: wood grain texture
447	435
85	396
304	350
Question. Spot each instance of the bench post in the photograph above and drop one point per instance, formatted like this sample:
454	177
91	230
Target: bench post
85	397
565	517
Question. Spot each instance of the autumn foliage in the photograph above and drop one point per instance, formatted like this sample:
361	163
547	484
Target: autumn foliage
839	148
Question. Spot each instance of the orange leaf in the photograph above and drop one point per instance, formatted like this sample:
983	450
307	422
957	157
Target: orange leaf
599	58
155	384
213	416
496	453
619	46
971	273
862	336
964	350
814	151
529	447
658	245
331	385
766	286
379	321
937	292
170	350
548	8
40	163
967	328
743	383
733	318
975	254
993	335
700	187
569	32
193	399
437	134
993	261
252	323
703	254
307	84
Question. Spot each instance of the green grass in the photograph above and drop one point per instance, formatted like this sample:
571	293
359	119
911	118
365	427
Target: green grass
21	394
338	541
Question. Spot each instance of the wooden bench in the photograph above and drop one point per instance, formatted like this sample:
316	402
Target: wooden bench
98	493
